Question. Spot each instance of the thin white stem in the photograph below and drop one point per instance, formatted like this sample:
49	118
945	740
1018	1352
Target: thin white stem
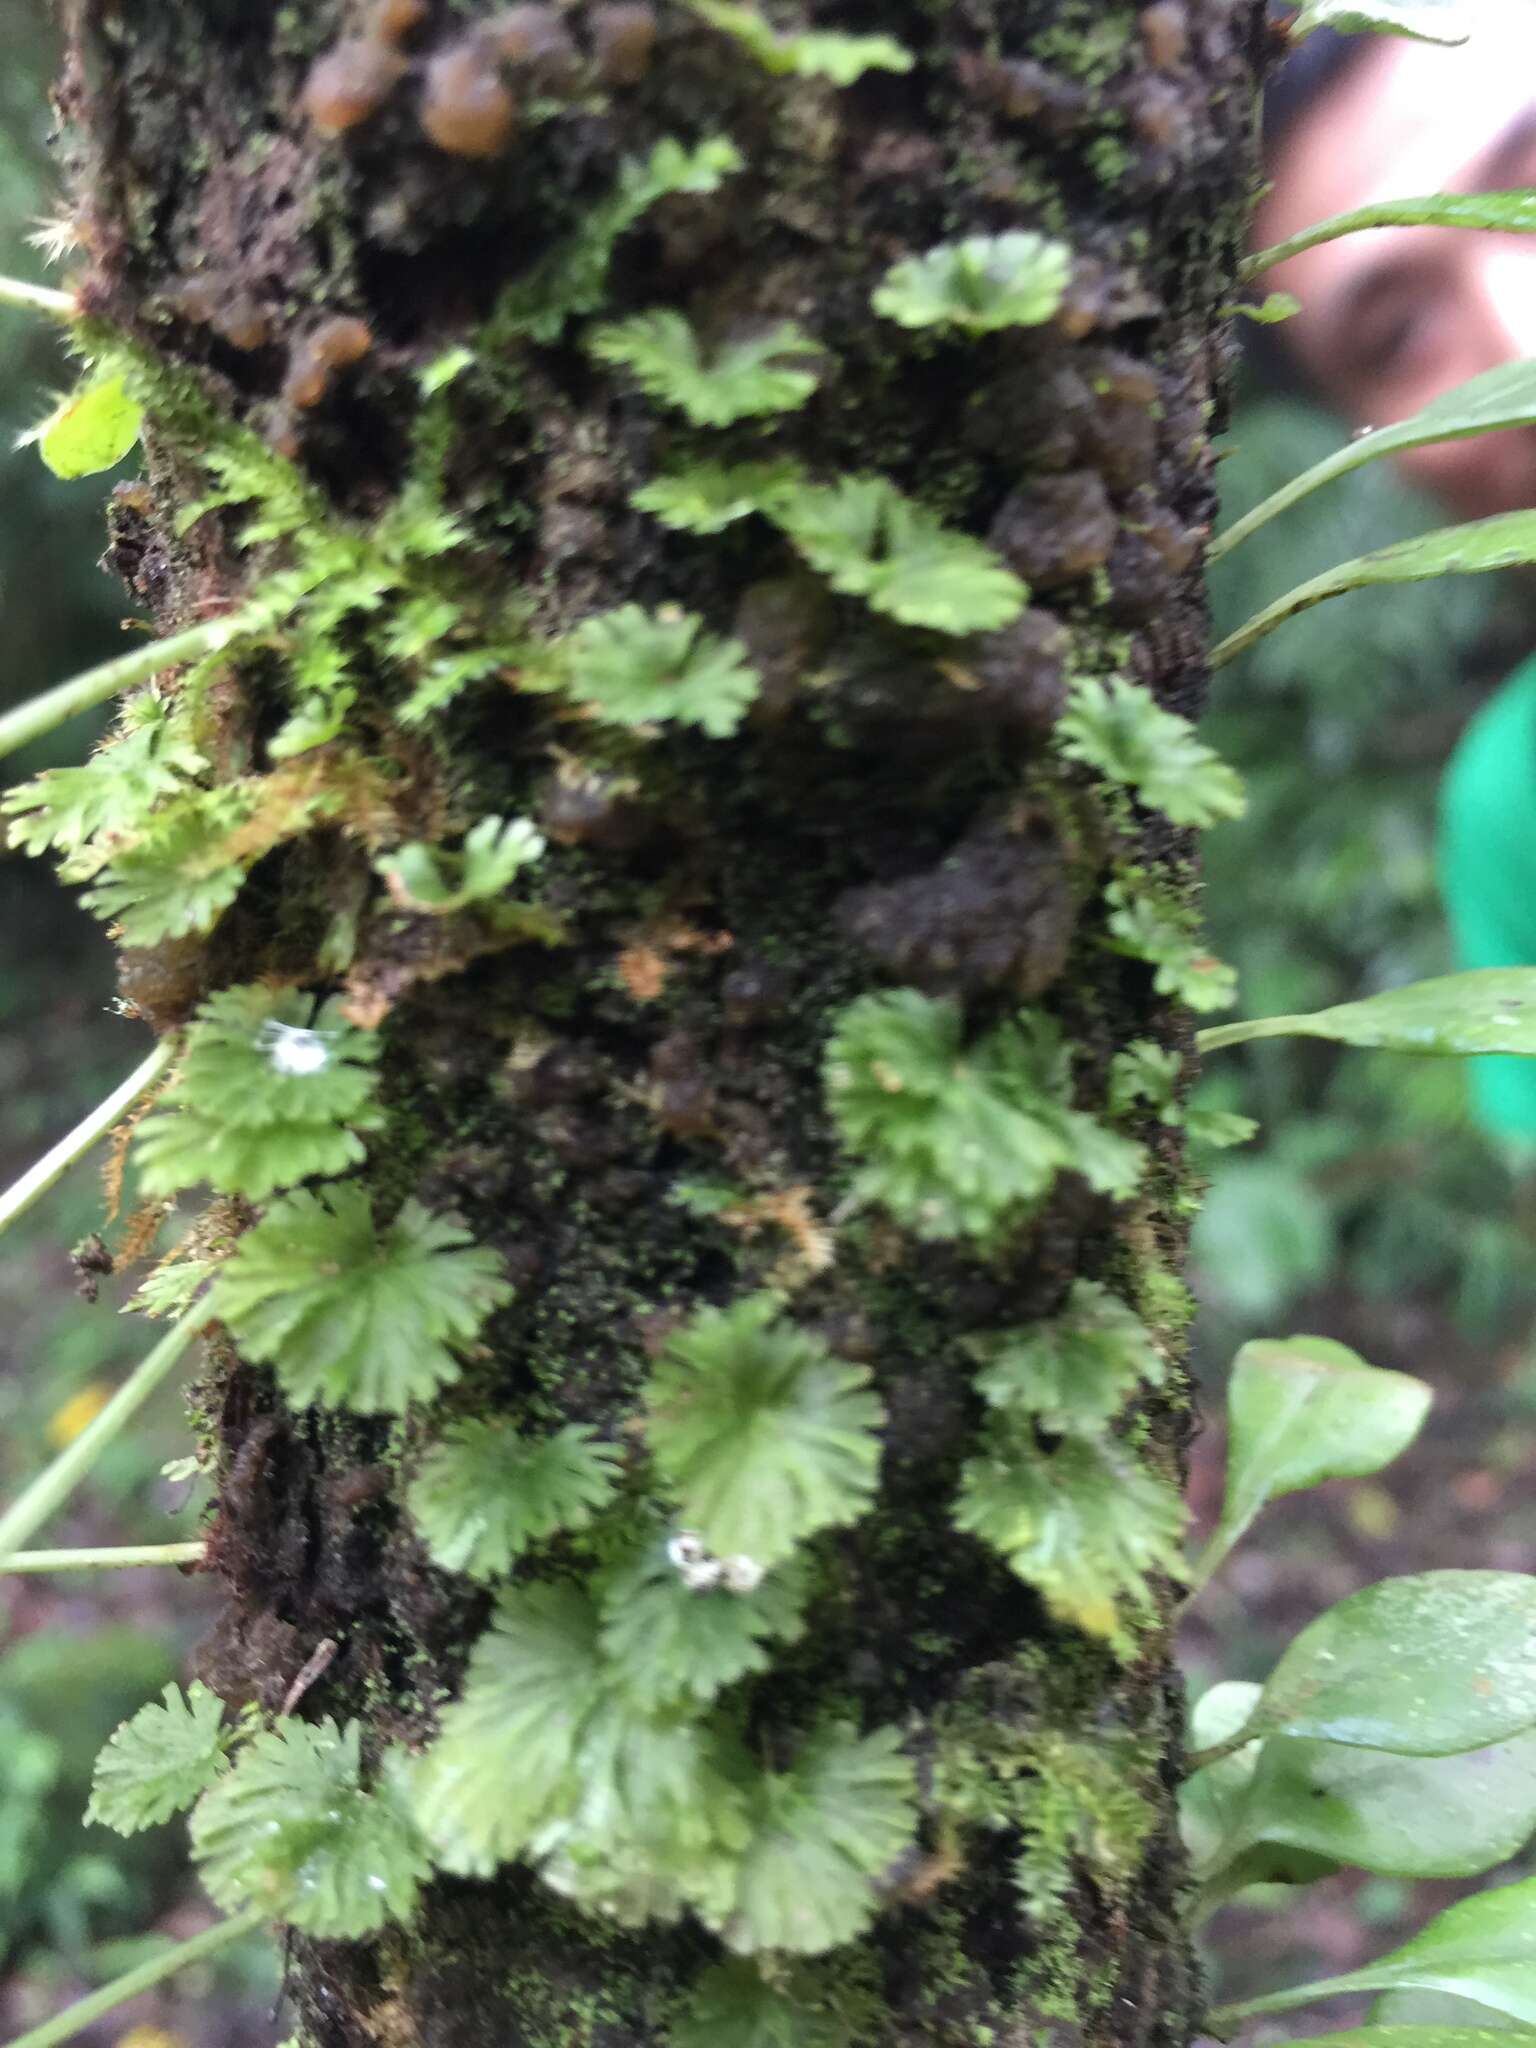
41	714
37	1180
76	2018
101	1560
38	298
56	1482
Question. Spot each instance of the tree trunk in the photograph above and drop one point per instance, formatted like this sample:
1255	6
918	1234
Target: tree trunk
628	1102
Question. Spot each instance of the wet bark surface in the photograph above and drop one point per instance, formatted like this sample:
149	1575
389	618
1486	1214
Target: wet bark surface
890	814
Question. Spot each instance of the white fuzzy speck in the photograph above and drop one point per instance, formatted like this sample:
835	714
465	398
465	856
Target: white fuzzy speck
292	1049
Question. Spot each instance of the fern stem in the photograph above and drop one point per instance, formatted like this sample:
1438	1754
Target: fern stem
76	2018
54	1484
38	298
41	714
1220	1035
101	1560
37	1180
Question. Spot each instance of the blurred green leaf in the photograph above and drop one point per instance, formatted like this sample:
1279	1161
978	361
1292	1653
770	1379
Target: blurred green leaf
91	430
1506	541
1482	1948
1488	1009
1499	398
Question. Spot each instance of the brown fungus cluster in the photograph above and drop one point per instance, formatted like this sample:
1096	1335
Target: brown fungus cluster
312	361
223	304
473	84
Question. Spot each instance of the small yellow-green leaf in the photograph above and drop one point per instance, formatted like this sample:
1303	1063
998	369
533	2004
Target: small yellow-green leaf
1270	311
1487	1009
92	430
1301	1410
1435	1664
1506	541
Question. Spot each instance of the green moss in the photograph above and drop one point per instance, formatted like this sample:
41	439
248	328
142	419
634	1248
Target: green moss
1087	39
1110	158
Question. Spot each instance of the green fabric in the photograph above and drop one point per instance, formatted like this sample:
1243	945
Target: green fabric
1487	858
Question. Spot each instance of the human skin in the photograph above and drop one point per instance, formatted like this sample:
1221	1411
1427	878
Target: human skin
1392	317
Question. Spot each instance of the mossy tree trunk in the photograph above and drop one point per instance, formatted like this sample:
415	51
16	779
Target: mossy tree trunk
889	814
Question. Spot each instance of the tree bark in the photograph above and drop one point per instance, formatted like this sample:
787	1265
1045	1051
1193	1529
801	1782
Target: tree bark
891	814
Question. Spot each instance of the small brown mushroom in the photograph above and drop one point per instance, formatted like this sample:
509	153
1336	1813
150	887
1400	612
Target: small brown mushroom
392	20
467	110
623	41
536	40
350	82
333	344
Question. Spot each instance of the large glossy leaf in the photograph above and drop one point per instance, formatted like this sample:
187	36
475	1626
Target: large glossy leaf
1505	397
1404	1816
1301	1410
1483	1948
1505	541
1487	1009
1430	1665
1427	21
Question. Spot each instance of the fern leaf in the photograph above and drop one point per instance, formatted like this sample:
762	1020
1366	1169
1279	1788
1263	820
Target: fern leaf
743	379
353	1315
673	1643
505	1760
871	542
1084	1524
761	1434
657	1824
635	667
1145	1072
546	1756
1147	925
710	496
291	1829
430	879
734	2006
978	285
823	1831
959	1140
176	877
484	1494
158	1763
79	811
841	59
265	1096
1077	1370
1118	729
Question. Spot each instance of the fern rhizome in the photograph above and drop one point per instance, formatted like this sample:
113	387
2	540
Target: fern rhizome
650	819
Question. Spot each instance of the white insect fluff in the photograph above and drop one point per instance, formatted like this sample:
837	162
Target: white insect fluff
701	1571
293	1048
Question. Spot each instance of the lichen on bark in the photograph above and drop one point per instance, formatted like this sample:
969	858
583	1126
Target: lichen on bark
890	812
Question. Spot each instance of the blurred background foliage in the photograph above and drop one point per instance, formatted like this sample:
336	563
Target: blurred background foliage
77	1654
1368	1209
1368	1177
